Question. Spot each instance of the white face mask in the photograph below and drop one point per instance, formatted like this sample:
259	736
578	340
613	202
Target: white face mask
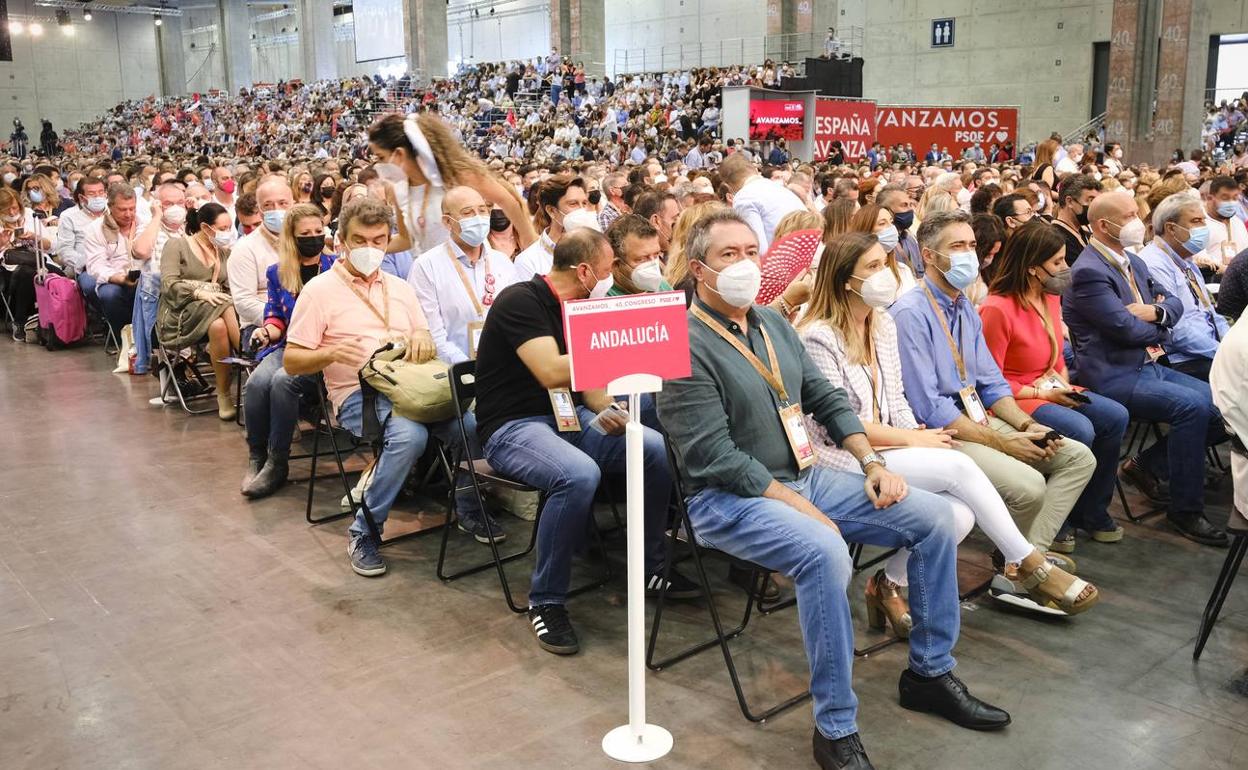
366	259
601	287
1039	202
879	290
648	276
1131	235
580	218
738	283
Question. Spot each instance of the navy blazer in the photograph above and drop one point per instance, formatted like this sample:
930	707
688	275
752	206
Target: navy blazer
1110	342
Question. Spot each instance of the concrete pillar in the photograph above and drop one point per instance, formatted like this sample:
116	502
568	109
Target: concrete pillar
1158	54
171	58
425	41
316	40
235	30
578	30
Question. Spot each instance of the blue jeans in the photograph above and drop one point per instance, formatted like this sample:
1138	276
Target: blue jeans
1186	405
555	88
403	442
1099	426
143	320
271	404
116	303
568	467
780	538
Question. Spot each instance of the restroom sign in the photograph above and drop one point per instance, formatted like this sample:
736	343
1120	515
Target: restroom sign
942	33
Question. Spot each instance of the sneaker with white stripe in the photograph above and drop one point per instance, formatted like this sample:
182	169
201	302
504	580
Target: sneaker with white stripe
553	629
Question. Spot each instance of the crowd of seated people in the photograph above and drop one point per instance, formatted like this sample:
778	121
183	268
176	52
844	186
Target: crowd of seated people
918	371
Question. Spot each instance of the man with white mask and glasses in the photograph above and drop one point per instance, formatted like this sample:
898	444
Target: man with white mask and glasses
168	219
755	492
342	317
458	280
564	206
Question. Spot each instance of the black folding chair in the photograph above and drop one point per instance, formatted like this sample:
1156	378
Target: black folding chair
1237	527
759	575
480	475
1137	439
192	390
323	426
373	434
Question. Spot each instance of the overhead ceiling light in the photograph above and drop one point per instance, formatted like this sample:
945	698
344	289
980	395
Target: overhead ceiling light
158	20
16	27
36	29
86	14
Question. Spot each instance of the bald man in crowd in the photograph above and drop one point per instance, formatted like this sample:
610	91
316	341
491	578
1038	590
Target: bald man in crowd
458	280
1120	321
252	255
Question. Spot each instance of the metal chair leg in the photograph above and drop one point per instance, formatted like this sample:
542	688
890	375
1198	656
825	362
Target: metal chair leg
721	636
1230	568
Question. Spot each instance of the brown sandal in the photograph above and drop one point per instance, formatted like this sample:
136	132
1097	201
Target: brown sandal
1078	597
885	603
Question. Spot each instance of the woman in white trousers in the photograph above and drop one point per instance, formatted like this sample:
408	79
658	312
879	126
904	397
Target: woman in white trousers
854	343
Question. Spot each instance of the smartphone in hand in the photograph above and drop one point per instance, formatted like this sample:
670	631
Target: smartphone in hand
133	275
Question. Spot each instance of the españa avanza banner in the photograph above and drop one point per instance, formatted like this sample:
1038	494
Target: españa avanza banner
852	123
775	119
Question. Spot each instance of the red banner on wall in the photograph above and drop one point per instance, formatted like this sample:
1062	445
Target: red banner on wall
850	123
955	128
777	119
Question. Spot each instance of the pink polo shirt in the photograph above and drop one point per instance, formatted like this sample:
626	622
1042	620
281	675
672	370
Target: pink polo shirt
329	312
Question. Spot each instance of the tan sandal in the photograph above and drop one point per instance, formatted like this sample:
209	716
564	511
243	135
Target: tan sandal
885	603
1042	590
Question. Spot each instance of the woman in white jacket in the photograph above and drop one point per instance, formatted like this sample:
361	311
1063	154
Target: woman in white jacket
854	343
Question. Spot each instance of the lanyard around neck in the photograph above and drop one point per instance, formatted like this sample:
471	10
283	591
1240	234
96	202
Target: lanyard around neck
771	374
477	305
385	297
944	326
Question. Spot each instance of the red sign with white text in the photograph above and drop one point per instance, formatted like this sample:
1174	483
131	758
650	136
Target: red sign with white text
617	336
772	119
850	123
955	128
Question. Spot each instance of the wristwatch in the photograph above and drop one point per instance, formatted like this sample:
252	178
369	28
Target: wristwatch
872	457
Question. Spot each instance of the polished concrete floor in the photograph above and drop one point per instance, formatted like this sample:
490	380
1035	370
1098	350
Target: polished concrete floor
150	617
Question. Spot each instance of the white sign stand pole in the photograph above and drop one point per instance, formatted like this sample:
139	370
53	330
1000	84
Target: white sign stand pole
636	741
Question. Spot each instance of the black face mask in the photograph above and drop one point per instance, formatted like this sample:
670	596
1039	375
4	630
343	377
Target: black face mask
594	197
903	220
499	221
309	245
1082	217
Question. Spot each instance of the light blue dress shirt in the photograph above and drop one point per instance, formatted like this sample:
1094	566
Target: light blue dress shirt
1197	333
928	371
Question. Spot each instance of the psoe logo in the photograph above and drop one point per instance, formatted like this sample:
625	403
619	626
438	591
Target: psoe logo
792	106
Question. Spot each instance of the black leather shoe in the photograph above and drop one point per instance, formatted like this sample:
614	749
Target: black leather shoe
1148	485
841	754
947	697
1195	527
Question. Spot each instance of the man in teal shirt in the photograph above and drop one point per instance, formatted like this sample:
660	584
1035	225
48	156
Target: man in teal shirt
736	426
